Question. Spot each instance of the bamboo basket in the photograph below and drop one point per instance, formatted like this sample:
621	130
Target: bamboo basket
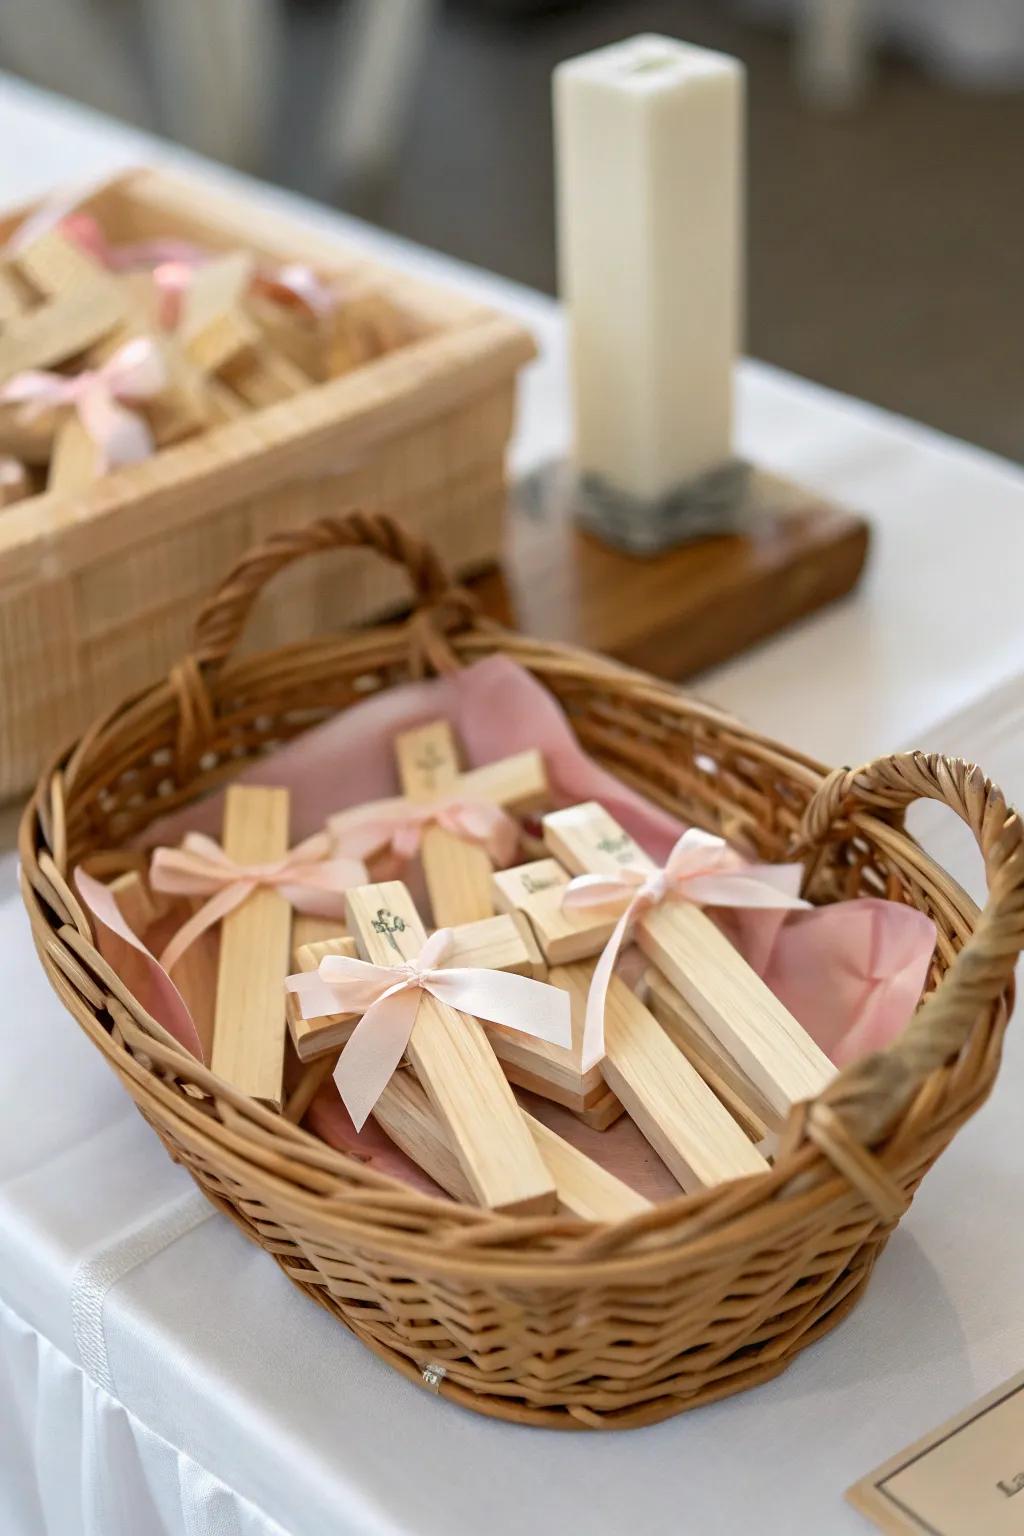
548	1321
99	590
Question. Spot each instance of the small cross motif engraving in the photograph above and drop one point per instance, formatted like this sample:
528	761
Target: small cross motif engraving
533	883
430	760
620	847
452	1059
388	924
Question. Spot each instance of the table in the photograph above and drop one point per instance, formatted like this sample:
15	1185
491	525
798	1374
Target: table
157	1373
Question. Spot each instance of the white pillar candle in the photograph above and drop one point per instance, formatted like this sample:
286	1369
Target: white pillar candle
649	140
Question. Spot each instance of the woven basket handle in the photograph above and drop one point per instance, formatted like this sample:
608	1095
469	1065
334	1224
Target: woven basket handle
868	1095
223	617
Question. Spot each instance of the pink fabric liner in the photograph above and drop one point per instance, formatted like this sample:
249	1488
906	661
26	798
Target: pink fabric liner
852	973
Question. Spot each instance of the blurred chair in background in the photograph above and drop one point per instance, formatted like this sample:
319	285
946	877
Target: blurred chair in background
210	73
213	74
974	44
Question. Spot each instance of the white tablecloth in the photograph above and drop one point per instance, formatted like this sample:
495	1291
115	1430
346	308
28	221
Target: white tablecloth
158	1374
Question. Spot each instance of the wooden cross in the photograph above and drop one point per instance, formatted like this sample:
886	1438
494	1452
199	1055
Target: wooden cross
454	1063
59	328
60	271
729	998
716	1066
457	872
493	944
666	1097
405	1113
255	947
254	937
583	1187
218	336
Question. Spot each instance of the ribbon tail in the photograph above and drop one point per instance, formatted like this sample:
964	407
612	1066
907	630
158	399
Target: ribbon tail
121	435
211	912
585	891
36	392
518	1002
597	997
774	886
320	890
317	1000
162	1000
374	1050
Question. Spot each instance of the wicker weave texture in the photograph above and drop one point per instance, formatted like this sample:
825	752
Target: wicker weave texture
549	1320
99	590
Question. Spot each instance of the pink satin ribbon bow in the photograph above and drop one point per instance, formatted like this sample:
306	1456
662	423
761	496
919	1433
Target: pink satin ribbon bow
135	371
391	995
399	825
307	877
293	282
701	868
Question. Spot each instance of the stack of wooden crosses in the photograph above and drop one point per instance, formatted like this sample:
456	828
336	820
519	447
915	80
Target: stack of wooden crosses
699	1053
105	357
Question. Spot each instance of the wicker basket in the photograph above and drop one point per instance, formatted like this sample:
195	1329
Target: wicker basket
549	1321
99	590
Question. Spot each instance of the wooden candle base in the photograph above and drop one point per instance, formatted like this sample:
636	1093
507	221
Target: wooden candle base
682	611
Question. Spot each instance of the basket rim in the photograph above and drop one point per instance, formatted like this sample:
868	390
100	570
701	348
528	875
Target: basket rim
390	1206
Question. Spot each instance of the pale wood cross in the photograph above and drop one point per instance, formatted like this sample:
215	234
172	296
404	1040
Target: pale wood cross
717	1067
584	1188
499	943
456	1066
458	872
253	938
726	995
255	948
217	362
404	1111
666	1097
73	313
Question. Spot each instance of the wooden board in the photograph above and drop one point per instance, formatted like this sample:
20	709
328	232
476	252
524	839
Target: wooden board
185	405
456	1066
720	1071
501	943
293	333
261	376
313	930
667	1099
554	1071
779	1056
14	295
54	264
76	458
602	1114
60	328
249	1026
671	1105
15	484
585	1189
681	612
213	327
325	1035
518	783
536	890
457	872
